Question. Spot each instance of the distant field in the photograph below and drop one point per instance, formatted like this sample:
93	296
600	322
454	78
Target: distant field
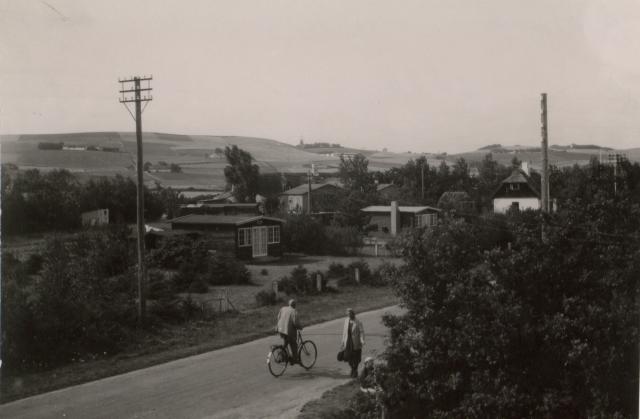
203	168
556	157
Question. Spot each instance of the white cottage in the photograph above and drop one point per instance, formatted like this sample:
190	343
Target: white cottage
516	192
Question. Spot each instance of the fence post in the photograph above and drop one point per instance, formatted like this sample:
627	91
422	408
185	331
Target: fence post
319	282
357	276
274	284
375	244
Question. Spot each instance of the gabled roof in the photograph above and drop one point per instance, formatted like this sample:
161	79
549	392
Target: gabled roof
517	177
407	209
303	189
220	219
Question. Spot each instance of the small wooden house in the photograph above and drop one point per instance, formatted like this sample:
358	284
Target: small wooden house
296	200
392	219
249	236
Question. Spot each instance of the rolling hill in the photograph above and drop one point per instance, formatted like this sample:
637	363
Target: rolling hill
94	154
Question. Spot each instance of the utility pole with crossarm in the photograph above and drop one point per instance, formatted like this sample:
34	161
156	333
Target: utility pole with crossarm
140	94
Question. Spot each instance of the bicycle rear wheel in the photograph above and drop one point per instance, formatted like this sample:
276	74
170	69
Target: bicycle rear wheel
277	361
308	353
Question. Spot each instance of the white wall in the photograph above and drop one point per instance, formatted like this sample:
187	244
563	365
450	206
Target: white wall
501	205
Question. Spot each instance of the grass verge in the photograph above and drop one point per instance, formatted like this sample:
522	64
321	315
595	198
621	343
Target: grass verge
334	403
172	342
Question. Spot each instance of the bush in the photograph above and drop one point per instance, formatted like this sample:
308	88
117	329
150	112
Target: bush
187	273
298	283
198	286
342	240
337	270
177	251
72	310
266	298
540	329
383	275
350	277
226	270
264	272
302	233
33	265
160	286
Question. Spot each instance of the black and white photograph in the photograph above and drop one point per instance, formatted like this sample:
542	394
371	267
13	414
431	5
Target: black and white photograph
331	209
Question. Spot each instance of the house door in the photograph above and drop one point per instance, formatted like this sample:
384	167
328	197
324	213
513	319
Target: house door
259	241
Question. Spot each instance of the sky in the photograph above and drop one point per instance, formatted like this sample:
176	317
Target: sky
420	76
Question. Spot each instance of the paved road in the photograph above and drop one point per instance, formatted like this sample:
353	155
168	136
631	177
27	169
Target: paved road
228	383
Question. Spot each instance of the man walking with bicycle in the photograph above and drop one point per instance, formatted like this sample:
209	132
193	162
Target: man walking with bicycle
288	326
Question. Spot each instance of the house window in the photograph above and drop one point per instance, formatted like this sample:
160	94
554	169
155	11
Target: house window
514	186
426	220
273	234
244	237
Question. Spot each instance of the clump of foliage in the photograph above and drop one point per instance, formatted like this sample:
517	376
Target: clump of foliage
198	286
300	282
535	329
264	272
194	262
226	270
337	270
303	233
297	283
54	201
81	304
266	298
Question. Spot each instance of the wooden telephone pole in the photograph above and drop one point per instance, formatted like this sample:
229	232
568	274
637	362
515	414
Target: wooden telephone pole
137	98
545	156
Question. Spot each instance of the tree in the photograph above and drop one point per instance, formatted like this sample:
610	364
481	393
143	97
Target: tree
241	174
528	330
354	174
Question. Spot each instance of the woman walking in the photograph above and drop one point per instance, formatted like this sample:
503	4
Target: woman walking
352	341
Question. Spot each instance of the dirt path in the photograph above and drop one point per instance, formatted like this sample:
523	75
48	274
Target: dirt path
229	383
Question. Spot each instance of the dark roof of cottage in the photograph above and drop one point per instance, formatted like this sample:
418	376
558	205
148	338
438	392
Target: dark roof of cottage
220	219
409	209
521	178
303	189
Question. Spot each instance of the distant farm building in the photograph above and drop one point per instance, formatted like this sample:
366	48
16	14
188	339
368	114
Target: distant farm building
517	192
393	219
95	218
249	236
296	200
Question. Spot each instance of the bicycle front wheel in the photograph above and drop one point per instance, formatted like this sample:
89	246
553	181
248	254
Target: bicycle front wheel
307	354
277	361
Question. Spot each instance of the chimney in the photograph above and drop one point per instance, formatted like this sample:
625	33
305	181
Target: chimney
395	218
525	167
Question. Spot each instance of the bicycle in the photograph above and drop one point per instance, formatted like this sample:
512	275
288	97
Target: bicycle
279	356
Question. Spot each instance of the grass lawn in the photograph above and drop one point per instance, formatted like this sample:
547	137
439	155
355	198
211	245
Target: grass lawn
333	404
169	342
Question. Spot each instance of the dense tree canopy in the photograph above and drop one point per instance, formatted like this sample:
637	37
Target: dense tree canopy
241	174
501	323
53	201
